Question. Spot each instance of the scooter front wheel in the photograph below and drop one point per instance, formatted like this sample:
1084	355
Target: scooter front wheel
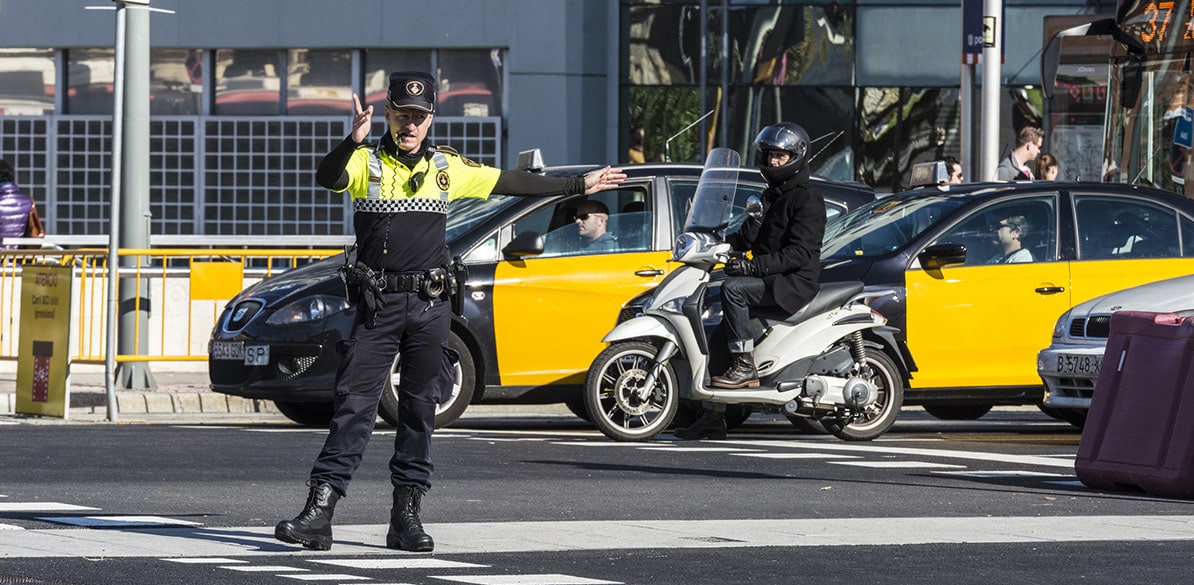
616	398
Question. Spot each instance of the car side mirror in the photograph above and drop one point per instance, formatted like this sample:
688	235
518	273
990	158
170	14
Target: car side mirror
524	244
938	256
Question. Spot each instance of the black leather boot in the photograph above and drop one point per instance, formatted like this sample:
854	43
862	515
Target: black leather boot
406	530
742	374
312	528
710	425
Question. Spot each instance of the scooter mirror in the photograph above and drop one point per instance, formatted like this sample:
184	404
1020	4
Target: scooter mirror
754	207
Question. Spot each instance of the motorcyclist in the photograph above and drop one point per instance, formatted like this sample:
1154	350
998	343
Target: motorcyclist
784	267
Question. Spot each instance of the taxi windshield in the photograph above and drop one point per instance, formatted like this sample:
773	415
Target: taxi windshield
465	213
881	228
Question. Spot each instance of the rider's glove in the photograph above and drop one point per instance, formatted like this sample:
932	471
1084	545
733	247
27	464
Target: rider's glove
743	267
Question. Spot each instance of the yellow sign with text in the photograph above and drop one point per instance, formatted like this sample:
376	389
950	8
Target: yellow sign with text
43	367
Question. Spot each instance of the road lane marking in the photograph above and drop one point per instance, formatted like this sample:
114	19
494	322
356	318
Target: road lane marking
1004	473
10	527
731	450
204	560
118	521
540	579
42	507
403	563
930	453
364	540
264	568
327	577
797	455
897	464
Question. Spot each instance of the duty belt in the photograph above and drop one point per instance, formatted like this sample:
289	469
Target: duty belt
401	282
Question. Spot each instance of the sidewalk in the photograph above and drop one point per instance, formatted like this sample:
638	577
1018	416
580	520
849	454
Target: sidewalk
188	393
176	393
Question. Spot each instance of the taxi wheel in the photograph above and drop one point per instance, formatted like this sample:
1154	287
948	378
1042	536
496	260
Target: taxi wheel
958	411
462	389
617	402
878	417
308	414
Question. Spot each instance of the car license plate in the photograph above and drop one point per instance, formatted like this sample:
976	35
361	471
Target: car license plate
227	350
1079	364
256	355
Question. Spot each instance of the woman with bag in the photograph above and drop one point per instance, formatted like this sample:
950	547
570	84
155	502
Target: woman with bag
18	214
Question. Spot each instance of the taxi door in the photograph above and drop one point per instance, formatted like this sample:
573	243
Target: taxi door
551	311
982	323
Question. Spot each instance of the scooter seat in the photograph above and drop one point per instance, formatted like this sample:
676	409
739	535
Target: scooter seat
830	294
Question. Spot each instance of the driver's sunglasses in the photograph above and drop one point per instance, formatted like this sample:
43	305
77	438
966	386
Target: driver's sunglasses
1003	224
583	216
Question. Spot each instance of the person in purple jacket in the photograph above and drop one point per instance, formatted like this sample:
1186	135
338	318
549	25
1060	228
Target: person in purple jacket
15	206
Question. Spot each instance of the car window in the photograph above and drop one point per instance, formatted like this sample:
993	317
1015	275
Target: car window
627	225
1115	227
465	213
1020	230
879	228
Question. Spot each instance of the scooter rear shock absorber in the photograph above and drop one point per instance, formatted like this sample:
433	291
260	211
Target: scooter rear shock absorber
857	349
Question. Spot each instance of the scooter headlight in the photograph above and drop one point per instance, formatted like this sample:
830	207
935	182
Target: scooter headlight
685	243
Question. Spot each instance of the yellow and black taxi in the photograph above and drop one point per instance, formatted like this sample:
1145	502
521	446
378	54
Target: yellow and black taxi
983	270
542	291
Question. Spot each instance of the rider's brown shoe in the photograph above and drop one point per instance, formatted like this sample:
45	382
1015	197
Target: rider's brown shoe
741	374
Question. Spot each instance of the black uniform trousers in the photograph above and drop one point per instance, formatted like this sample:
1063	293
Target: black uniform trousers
419	329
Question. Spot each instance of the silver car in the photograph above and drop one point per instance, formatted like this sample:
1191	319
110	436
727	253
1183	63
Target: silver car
1070	366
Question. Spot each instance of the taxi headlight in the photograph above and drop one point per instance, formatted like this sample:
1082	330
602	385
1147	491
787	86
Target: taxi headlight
308	309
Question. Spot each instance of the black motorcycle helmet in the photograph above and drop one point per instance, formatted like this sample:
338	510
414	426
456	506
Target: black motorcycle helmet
784	136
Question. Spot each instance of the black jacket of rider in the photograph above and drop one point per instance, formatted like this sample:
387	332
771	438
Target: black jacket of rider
786	243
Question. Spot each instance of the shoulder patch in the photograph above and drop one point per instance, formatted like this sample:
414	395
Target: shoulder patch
452	151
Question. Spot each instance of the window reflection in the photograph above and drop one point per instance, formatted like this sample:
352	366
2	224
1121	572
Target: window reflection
318	82
470	83
378	66
26	82
665	45
247	82
175	81
900	127
791	45
90	74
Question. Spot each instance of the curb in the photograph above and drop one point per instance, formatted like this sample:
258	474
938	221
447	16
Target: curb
96	403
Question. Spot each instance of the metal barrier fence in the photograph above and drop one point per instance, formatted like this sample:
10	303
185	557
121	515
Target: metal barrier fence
185	288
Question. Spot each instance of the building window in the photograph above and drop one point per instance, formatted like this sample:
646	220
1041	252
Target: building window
248	82
175	81
318	82
26	82
90	81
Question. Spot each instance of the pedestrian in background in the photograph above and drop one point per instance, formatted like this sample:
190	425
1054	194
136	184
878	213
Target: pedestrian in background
18	214
954	168
400	188
1014	166
1047	167
638	138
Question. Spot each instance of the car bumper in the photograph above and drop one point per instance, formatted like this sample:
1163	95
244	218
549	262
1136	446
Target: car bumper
295	372
1069	374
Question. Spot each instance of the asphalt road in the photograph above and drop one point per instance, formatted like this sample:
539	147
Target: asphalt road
542	499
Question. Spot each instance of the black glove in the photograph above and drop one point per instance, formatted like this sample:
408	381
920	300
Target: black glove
743	267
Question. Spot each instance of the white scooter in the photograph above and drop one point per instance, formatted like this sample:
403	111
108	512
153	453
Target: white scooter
834	361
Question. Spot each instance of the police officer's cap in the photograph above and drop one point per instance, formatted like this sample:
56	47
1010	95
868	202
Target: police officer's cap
412	89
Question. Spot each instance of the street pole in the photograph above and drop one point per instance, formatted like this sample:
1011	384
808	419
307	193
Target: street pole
114	221
992	84
134	193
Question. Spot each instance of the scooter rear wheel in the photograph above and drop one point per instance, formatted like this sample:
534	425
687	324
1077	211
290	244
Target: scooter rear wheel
877	418
616	400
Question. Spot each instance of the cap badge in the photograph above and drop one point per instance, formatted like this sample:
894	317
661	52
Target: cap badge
414	88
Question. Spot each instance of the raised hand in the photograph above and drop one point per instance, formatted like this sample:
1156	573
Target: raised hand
362	120
602	179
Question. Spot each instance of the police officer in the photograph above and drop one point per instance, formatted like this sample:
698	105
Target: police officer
785	265
400	189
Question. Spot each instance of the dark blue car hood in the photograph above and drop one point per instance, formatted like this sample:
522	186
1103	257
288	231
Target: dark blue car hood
315	278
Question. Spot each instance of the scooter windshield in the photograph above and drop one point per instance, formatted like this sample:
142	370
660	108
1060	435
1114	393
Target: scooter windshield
713	201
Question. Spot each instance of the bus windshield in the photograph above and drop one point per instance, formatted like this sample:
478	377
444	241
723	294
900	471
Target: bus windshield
1148	130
